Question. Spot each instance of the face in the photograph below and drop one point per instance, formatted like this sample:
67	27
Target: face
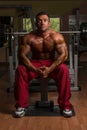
42	22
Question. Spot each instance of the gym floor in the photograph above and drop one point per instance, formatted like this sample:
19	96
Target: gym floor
79	101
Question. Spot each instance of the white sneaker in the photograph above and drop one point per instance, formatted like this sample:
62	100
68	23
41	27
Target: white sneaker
67	113
20	112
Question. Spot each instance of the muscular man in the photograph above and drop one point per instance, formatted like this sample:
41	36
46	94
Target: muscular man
43	43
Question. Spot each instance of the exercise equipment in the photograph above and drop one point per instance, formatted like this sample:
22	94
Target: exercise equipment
44	103
63	32
35	85
13	46
44	107
73	68
13	62
83	34
73	53
83	39
77	22
33	111
73	65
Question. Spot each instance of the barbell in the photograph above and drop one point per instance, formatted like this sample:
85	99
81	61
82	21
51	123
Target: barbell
64	32
83	29
82	32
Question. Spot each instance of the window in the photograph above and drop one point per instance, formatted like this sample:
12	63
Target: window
55	24
27	26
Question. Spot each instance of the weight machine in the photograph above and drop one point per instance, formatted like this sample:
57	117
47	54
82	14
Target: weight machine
73	51
78	21
73	54
73	61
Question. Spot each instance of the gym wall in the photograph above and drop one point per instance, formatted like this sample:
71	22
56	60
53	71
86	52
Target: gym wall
54	7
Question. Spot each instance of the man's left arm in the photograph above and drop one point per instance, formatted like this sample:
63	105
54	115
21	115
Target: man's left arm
61	48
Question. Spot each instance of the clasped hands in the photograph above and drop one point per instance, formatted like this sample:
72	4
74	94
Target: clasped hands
43	71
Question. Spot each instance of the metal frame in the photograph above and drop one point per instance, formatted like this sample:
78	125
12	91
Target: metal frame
73	69
13	67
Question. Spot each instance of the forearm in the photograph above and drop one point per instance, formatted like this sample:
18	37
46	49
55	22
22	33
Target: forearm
57	62
26	61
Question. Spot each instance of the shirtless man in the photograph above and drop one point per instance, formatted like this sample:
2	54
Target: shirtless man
43	43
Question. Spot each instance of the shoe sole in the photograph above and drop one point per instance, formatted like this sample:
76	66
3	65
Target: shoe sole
19	115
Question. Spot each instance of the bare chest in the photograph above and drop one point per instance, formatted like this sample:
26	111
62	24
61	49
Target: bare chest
42	44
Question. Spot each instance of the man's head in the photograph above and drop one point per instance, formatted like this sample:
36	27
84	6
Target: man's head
42	21
42	13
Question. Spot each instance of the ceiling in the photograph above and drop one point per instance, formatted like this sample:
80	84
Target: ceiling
47	0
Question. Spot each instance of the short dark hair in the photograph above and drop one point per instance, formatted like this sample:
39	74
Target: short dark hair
42	13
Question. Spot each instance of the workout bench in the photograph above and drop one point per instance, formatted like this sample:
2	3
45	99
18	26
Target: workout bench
44	103
44	107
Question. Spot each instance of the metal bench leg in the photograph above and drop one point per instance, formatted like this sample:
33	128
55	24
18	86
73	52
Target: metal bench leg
44	95
44	89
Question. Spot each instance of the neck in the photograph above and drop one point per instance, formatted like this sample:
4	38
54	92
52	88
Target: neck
43	33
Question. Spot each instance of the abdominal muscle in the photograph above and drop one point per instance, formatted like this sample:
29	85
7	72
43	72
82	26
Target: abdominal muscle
43	56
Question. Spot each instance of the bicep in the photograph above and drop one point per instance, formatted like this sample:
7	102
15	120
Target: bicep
24	49
61	48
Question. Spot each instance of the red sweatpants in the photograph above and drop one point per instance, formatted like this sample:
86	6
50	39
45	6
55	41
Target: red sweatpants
23	77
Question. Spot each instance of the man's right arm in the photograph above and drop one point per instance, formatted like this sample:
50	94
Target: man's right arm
23	53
